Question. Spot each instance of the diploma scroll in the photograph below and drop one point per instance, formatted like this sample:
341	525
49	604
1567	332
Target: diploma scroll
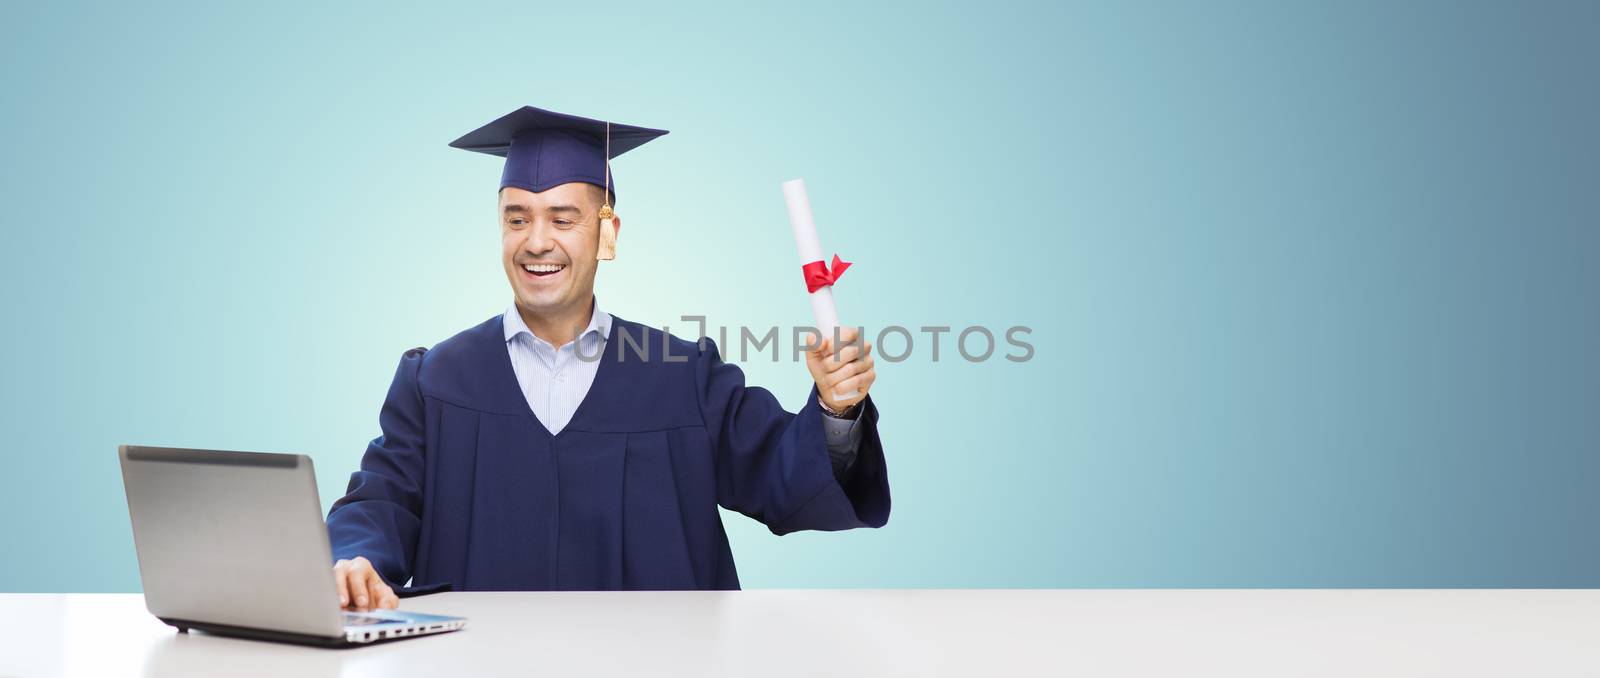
810	248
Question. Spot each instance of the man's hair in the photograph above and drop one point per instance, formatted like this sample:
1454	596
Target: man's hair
598	193
595	191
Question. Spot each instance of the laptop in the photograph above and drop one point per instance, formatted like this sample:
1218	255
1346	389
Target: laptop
233	543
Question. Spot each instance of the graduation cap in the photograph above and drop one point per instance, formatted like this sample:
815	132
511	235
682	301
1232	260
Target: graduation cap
544	149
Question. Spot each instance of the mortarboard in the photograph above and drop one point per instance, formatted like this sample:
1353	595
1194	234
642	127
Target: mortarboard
544	149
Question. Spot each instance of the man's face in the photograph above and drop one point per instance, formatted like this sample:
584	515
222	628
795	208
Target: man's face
548	243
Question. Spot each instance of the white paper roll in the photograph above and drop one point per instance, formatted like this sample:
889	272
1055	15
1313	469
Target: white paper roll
810	249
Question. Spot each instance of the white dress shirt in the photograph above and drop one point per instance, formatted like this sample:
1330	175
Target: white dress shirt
555	380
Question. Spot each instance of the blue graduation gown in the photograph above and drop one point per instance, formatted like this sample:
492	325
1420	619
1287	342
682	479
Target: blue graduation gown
466	489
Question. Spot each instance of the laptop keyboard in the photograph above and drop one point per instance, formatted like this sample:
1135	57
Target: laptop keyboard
366	628
352	619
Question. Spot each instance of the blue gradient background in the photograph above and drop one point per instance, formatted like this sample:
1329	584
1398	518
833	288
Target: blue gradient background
1312	285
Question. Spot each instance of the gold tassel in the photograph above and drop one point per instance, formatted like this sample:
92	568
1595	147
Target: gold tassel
609	223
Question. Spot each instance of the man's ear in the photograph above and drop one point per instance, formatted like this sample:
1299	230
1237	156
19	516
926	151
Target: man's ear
608	238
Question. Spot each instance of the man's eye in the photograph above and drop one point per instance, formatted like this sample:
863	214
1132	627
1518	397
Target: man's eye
518	223
563	222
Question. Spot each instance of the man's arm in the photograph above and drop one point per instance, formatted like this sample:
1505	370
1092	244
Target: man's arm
775	466
848	370
844	439
374	528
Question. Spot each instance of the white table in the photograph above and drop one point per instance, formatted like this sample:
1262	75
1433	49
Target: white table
906	632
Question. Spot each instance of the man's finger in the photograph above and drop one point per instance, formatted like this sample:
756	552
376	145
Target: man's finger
358	587
836	378
340	569
852	352
832	367
845	355
861	383
851	384
844	370
377	591
351	587
823	349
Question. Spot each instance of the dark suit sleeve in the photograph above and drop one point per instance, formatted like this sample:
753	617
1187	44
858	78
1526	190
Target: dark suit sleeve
844	438
774	466
379	516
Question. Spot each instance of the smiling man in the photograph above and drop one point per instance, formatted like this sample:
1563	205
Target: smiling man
556	446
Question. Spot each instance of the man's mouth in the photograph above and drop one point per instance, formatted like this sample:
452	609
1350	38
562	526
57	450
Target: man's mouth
543	270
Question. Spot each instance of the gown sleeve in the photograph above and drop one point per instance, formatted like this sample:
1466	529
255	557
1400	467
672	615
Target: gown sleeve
379	516
774	466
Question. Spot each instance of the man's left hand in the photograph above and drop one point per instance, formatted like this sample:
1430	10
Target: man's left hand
842	371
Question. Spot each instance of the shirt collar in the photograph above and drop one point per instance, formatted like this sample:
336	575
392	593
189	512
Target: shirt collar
599	324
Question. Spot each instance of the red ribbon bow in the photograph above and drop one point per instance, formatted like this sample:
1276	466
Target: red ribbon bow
818	276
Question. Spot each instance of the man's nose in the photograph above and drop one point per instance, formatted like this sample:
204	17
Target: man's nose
539	240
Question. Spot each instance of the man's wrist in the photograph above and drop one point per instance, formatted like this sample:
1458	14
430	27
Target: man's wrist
848	413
